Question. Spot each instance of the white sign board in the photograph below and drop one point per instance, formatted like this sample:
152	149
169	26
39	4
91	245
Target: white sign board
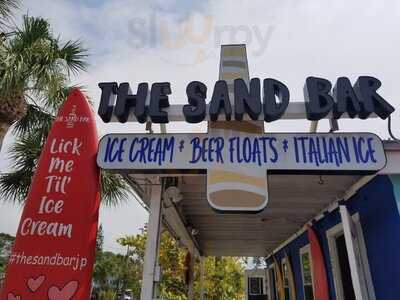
285	153
319	153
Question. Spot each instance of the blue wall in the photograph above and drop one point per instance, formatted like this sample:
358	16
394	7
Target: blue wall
380	221
396	187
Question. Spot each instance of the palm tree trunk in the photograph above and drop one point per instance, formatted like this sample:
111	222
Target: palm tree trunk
4	126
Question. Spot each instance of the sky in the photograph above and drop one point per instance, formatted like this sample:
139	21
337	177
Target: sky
179	41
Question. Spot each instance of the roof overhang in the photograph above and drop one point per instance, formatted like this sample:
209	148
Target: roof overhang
294	200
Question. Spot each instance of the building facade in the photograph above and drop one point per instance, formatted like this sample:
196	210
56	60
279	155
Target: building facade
374	210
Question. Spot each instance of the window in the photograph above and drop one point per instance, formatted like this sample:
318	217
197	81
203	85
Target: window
273	293
340	262
306	272
256	286
277	290
344	266
285	275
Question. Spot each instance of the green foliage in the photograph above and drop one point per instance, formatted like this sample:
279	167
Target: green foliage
7	7
114	189
171	259
100	239
107	294
35	68
37	64
6	242
223	276
115	272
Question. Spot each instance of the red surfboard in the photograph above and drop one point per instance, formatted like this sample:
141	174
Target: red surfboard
54	250
321	289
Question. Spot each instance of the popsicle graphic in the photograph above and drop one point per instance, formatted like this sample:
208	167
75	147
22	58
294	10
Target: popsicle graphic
236	189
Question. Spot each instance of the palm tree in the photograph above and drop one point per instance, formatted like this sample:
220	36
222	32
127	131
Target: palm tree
35	68
6	10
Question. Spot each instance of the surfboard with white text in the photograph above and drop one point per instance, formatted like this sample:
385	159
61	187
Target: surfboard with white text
54	249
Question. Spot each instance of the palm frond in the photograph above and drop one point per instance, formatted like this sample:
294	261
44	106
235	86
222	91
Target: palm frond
25	55
26	150
24	153
35	119
114	189
32	31
74	55
52	92
36	66
14	186
7	7
35	56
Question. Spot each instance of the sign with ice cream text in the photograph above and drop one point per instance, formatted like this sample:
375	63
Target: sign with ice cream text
54	250
312	153
236	155
279	152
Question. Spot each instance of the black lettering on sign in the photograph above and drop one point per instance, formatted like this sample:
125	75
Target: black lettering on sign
359	100
140	105
107	99
220	101
345	99
247	101
273	89
126	100
318	100
158	100
195	111
370	101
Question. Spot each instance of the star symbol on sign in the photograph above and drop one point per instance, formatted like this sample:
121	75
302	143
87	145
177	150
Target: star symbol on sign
181	145
285	145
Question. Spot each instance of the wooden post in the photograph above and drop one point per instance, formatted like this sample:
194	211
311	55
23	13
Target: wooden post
153	235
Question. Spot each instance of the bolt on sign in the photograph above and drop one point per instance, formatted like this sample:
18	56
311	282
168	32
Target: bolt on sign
236	154
54	250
